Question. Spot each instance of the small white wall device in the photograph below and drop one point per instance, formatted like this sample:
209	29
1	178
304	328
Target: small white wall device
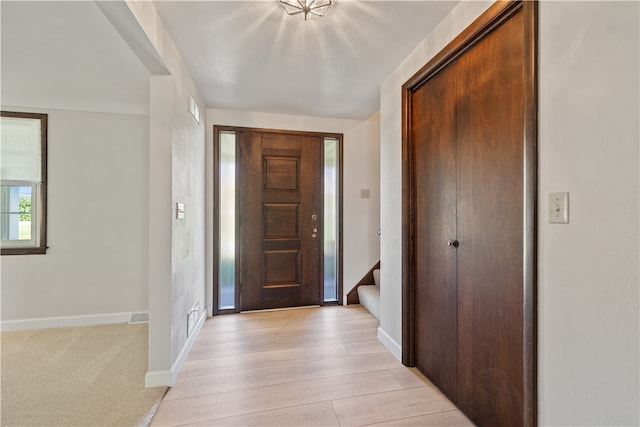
559	208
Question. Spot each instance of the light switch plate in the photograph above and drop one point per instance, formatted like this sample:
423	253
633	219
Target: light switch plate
179	210
365	193
559	208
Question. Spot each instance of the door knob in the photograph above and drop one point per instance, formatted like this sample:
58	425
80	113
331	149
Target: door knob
453	243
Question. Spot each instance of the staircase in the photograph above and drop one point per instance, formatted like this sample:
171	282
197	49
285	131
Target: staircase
369	295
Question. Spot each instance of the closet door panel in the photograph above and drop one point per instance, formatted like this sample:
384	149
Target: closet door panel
436	308
490	123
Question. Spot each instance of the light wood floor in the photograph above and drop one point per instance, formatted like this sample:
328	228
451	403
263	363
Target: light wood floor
306	367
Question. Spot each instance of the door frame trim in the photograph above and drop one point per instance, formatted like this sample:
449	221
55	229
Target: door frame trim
216	214
493	17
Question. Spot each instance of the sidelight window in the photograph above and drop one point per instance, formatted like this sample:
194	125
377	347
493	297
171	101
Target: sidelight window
227	212
331	204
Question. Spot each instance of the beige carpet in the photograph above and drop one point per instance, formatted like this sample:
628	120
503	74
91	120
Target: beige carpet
85	376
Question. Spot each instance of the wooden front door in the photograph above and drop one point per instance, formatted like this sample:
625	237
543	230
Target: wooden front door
280	220
469	152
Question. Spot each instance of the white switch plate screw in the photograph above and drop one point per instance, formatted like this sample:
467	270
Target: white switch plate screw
559	208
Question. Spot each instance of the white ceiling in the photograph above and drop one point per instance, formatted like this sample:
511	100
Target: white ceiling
67	55
250	55
243	55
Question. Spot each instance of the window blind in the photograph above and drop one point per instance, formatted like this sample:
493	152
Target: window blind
20	147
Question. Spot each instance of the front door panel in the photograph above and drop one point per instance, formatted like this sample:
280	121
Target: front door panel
280	214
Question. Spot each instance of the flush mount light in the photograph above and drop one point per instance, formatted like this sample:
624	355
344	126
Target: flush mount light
306	8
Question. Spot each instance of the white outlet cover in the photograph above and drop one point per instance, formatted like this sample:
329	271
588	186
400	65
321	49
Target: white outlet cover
559	208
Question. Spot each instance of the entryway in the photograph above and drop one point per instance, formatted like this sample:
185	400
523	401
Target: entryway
277	219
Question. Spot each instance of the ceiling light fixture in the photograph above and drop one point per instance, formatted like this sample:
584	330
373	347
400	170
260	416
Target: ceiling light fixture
306	8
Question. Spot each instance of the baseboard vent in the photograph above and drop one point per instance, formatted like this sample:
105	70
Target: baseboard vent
139	318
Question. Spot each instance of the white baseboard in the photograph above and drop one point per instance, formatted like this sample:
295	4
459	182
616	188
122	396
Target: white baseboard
168	377
158	378
64	322
390	343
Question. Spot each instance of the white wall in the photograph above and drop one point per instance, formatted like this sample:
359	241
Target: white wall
176	174
588	270
361	216
97	232
361	163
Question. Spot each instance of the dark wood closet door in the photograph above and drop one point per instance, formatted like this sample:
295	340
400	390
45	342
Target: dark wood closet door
436	299
467	142
490	123
280	207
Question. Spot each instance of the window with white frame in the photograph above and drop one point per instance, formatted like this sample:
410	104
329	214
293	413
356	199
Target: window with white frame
23	183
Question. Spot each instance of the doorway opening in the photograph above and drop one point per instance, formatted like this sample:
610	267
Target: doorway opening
277	219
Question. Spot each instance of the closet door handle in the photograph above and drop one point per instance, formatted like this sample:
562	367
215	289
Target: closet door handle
453	243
